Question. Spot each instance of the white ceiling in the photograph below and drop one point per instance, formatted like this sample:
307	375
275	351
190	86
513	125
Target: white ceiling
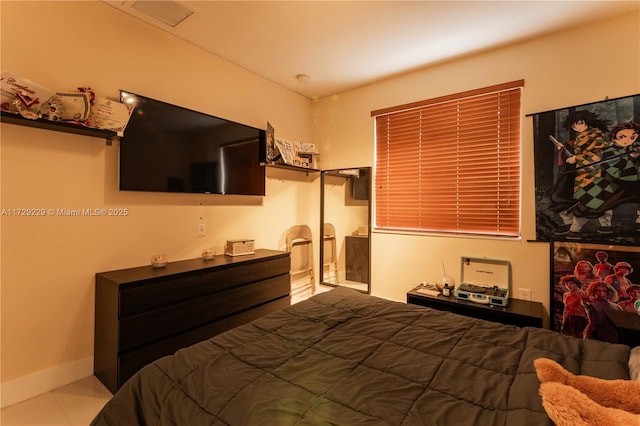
341	45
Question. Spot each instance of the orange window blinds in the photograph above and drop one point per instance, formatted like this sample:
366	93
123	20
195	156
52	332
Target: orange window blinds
451	164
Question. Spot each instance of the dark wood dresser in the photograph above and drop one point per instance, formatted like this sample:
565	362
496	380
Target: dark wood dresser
144	313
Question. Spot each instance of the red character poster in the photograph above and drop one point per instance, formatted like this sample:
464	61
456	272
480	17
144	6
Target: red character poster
589	280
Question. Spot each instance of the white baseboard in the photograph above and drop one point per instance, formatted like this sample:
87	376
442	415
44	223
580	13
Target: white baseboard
35	384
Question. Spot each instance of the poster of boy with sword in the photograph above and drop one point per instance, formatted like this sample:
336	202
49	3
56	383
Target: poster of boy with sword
588	187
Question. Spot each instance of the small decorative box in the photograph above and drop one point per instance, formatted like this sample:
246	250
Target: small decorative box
239	247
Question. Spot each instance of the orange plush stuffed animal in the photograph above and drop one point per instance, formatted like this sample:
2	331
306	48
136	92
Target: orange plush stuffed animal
573	400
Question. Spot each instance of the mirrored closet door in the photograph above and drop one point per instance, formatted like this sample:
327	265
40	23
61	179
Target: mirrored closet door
345	224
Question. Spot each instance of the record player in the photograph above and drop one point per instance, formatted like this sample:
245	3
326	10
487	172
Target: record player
485	281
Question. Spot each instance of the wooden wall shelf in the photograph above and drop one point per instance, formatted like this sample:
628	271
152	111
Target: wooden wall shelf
295	168
41	123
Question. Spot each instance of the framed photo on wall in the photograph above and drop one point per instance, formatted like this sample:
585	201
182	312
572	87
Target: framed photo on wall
587	279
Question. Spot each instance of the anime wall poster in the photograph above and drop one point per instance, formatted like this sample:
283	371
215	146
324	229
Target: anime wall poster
586	172
588	279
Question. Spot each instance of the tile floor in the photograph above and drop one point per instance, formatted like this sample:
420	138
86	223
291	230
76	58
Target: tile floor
72	405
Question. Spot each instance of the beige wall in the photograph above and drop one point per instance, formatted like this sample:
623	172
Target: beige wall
48	263
577	66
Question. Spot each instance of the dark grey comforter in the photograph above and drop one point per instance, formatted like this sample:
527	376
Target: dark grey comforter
344	358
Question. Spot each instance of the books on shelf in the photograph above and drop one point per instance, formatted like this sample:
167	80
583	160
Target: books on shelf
298	154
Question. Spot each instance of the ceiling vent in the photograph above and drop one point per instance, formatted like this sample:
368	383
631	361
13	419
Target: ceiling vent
167	11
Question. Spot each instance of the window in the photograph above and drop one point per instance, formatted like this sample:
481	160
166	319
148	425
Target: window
451	164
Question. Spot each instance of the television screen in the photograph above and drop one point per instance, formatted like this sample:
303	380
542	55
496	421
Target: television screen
167	148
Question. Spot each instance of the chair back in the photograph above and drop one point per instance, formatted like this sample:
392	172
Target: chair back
330	267
300	246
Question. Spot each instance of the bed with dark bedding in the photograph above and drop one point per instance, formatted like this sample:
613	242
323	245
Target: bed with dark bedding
345	358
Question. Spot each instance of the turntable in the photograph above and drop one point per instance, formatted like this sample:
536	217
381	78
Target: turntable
485	281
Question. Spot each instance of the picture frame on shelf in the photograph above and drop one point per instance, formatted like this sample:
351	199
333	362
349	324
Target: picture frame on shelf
271	151
286	151
586	281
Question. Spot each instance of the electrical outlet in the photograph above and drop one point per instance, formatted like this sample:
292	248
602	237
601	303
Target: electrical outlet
525	293
202	230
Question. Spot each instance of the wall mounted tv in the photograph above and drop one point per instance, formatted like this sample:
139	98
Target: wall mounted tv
167	148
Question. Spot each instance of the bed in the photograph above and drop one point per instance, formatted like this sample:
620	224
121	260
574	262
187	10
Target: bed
346	358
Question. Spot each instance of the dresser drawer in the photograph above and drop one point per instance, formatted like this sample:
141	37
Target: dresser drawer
138	330
131	362
156	293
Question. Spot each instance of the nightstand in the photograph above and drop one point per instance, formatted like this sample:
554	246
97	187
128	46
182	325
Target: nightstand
627	324
522	313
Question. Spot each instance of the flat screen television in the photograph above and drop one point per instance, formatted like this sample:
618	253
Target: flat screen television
167	148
